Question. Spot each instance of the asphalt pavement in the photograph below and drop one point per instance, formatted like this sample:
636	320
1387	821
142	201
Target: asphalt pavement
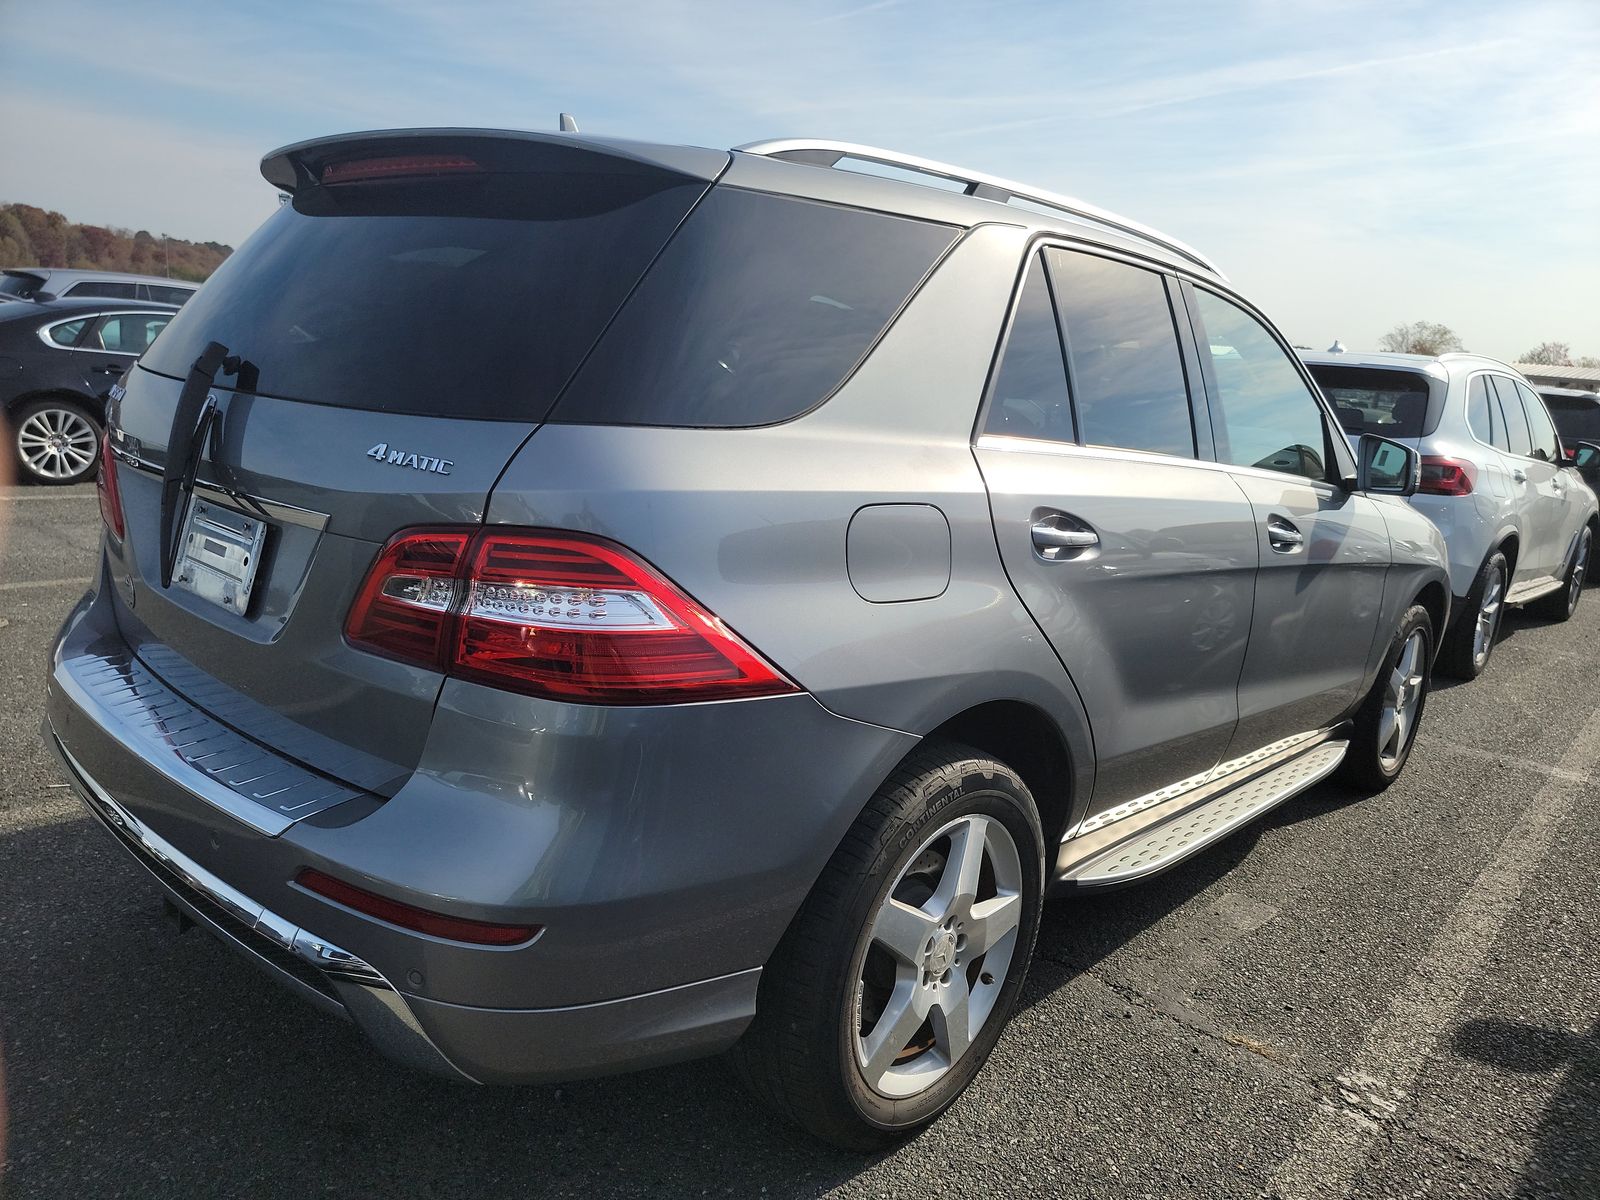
1395	995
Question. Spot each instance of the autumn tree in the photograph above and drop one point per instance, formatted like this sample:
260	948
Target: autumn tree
1420	337
1549	354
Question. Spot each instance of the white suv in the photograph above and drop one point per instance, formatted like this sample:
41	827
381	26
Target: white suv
1518	521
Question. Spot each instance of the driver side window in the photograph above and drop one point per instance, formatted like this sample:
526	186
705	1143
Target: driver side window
1263	414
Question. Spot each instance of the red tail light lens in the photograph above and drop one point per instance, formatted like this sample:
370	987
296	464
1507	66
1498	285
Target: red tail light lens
366	170
1447	476
109	491
457	929
551	614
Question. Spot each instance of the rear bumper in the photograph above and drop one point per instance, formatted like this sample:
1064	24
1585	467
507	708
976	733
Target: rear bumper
650	952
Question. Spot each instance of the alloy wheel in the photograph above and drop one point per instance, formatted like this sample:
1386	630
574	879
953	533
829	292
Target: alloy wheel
937	957
1488	619
1402	698
57	443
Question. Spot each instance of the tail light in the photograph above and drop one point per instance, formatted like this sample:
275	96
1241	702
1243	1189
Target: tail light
1447	476
551	614
109	491
407	916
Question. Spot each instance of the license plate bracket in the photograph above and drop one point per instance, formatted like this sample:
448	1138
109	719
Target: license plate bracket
219	555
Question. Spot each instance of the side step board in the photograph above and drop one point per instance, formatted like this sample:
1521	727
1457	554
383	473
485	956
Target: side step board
1155	847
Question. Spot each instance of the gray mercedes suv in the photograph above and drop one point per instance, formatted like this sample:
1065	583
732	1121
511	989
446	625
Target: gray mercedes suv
572	604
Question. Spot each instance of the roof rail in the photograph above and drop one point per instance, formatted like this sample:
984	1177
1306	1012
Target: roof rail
820	153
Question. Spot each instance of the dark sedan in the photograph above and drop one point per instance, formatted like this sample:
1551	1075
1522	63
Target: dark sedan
58	361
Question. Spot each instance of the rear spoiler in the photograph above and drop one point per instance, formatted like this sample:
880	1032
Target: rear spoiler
301	165
37	281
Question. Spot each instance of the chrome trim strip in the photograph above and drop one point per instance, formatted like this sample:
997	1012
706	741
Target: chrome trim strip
975	179
368	997
242	502
44	330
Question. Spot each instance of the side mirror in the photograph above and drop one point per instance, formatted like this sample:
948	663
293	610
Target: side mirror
1387	467
1584	456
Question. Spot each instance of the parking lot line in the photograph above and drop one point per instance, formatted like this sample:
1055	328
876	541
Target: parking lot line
49	496
19	585
1334	1147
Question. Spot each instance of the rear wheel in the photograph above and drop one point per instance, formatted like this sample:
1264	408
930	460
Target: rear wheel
1560	604
1471	640
1387	722
56	441
894	981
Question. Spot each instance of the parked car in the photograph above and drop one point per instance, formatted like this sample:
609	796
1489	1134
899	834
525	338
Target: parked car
1520	523
58	361
1576	413
51	283
625	607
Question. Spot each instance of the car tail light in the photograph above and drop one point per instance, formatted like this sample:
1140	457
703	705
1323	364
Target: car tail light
1447	476
366	170
407	916
560	615
109	491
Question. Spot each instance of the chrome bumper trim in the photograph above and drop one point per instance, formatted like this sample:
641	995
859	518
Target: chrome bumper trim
370	1000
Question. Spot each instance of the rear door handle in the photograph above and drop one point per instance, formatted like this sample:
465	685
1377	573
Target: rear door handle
1284	536
1059	535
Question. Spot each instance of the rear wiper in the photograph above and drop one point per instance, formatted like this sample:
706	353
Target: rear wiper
191	421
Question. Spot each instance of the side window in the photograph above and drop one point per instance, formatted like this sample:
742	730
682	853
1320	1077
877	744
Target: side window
113	291
1545	443
169	295
66	333
1519	439
130	333
1483	414
1029	397
1122	351
1263	415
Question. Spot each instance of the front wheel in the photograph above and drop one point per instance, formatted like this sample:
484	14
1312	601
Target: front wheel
1560	604
896	977
1387	722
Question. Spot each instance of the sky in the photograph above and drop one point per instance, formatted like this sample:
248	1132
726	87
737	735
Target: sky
1349	165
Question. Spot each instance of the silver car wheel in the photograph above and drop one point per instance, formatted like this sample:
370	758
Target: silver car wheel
1488	622
57	443
938	955
1580	569
1402	698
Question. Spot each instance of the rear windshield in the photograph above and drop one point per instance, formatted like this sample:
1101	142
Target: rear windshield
19	285
1393	404
1576	419
473	297
757	310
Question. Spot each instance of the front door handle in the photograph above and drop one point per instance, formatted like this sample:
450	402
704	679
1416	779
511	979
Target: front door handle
1519	475
1285	538
1057	536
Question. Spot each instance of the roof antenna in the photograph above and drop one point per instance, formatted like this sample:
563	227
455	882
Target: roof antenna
1337	347
568	123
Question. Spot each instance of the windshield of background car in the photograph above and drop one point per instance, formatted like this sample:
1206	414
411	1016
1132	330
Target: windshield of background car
1392	404
1576	419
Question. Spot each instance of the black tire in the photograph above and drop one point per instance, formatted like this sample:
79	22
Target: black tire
1366	766
1560	604
1456	656
39	465
800	1053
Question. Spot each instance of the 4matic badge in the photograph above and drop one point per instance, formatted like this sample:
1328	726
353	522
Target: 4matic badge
400	458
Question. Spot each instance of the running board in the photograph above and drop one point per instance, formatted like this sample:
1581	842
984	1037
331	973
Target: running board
1156	847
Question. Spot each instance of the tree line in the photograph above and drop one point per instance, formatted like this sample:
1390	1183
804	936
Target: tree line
35	237
1430	337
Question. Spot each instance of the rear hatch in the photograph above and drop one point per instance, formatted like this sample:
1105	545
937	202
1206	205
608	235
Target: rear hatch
395	331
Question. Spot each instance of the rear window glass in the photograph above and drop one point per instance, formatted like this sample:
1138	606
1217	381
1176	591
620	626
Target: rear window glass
1519	438
18	285
1575	418
473	297
757	309
1392	404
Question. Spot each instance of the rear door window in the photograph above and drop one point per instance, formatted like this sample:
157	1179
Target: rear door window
106	288
67	332
162	294
1264	415
1393	404
1029	396
759	307
1126	370
1519	438
1545	443
128	333
1483	414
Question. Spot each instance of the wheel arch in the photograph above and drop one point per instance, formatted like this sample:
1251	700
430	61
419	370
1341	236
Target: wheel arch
93	405
1435	597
